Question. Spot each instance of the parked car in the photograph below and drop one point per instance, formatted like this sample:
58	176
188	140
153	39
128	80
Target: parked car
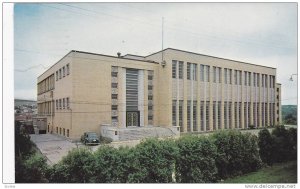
90	138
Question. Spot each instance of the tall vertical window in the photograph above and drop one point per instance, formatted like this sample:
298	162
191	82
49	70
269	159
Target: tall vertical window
229	115
56	75
245	115
235	115
59	103
235	77
230	76
180	69
240	77
188	71
262	80
174	68
220	75
245	78
207	73
225	115
219	115
266	81
202	115
181	115
194	72
59	73
174	112
189	116
68	103
257	80
68	69
225	75
249	79
214	74
64	72
201	72
240	113
254	79
214	115
64	103
207	115
195	128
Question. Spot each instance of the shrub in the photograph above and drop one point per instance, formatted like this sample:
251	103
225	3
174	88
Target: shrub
196	160
113	165
266	146
155	161
31	170
292	136
237	153
281	142
76	167
251	127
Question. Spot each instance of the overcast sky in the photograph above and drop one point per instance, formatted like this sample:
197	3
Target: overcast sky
259	33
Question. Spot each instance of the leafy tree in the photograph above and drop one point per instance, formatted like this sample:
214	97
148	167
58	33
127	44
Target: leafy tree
237	153
155	160
266	146
76	167
196	160
113	165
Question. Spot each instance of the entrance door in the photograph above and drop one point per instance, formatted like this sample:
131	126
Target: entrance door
132	118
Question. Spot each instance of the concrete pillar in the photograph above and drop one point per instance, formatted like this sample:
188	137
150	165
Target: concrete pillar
184	97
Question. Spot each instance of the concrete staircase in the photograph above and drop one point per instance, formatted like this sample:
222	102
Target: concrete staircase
137	133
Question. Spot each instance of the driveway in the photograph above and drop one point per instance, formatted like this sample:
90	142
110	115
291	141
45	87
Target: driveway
53	147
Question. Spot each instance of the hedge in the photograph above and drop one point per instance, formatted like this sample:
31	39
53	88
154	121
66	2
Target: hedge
237	153
196	160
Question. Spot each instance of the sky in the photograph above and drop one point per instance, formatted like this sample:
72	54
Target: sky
258	33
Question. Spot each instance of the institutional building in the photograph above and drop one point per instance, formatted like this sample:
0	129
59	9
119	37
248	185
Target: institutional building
174	89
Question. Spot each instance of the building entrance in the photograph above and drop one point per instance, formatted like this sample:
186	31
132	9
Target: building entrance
132	118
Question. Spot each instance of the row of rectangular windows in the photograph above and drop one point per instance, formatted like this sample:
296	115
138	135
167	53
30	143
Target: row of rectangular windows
62	131
46	85
114	73
45	108
62	72
217	111
217	75
63	103
150	96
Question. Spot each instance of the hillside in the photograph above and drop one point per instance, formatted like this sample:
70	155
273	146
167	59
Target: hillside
289	114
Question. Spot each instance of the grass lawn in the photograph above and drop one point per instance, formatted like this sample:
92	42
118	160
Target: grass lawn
278	173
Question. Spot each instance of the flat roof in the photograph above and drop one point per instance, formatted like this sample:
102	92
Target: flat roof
208	56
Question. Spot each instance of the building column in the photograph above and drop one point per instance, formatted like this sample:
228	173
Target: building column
184	121
222	98
243	100
210	101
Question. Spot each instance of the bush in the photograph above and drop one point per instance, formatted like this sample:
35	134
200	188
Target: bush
251	127
113	165
281	142
237	153
292	136
31	170
155	161
76	167
196	160
266	146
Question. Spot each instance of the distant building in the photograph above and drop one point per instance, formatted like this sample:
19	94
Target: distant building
186	91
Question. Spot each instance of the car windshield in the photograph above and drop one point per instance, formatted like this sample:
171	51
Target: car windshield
92	135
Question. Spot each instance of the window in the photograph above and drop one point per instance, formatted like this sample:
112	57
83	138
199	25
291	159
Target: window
114	74
68	132
254	79
150	77
64	131
207	73
114	85
180	70
150	97
174	68
181	115
64	72
56	75
207	115
194	72
114	96
150	117
68	69
225	115
230	76
257	80
245	78
195	128
229	115
219	115
201	72
68	103
188	71
60	130
214	116
214	74
220	75
174	112
235	77
150	107
225	75
114	118
150	87
56	104
114	107
59	103
189	116
240	77
202	115
57	130
63	103
59	73
249	79
266	81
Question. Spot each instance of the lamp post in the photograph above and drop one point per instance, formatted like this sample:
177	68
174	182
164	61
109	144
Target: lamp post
291	78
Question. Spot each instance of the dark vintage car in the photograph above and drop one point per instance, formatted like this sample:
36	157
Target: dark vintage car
90	138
